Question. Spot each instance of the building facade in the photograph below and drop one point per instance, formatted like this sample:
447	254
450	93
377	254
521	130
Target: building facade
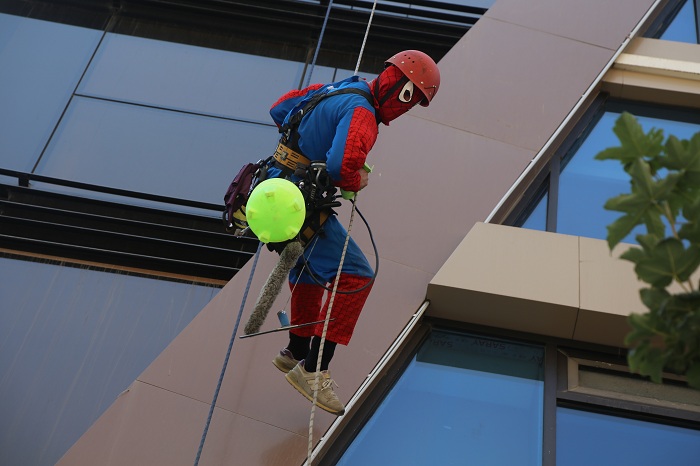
494	331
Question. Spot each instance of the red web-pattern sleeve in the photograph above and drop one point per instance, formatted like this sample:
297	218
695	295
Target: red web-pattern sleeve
297	93
362	135
284	104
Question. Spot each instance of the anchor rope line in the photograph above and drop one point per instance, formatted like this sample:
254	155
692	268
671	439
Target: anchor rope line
318	45
325	331
340	267
228	355
364	40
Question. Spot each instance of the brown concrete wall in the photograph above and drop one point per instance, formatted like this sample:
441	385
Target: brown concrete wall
506	86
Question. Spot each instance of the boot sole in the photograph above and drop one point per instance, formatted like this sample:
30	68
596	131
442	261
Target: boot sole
281	367
300	389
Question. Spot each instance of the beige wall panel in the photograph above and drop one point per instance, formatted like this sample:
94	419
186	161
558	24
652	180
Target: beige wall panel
431	183
514	84
603	23
504	312
152	426
609	293
519	263
666	49
666	90
608	283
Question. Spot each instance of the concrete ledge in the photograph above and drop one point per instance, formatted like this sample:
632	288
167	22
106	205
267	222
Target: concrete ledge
537	282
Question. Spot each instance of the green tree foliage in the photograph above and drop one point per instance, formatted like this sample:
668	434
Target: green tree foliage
664	197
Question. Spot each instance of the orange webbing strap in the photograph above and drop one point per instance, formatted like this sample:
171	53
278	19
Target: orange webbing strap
290	158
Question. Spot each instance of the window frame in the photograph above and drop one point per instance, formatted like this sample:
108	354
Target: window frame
557	353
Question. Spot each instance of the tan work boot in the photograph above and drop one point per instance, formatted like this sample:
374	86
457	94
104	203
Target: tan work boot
285	361
304	382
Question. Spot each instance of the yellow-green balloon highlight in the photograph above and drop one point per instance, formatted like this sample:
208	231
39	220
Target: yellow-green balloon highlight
275	210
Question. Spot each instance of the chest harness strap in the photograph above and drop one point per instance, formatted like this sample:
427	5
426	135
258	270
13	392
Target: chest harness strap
310	176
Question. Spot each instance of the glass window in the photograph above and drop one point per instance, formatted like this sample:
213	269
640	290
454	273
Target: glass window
537	220
459	401
585	184
71	340
40	65
153	151
193	79
585	438
684	26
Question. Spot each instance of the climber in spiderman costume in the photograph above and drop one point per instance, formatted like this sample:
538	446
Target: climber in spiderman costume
341	131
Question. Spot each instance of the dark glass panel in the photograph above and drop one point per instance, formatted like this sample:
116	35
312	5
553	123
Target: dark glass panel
153	151
40	65
71	340
189	78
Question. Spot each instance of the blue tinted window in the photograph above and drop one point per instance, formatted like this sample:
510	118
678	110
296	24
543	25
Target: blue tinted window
537	220
71	340
460	401
195	79
683	28
585	438
40	65
585	183
151	150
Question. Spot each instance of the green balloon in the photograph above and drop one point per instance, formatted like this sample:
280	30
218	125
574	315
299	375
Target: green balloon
275	210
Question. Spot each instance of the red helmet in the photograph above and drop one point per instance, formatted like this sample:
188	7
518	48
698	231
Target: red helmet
421	70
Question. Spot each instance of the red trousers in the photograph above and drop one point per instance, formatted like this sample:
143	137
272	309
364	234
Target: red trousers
307	306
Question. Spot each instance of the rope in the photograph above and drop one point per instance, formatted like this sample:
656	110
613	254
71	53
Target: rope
318	45
325	330
364	41
228	354
340	265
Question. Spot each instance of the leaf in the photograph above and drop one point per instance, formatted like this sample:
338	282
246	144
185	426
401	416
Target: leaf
683	155
693	375
654	298
620	228
650	363
691	232
666	262
634	143
634	255
645	204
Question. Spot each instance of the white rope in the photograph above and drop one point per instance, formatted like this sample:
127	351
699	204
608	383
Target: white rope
337	278
364	41
323	334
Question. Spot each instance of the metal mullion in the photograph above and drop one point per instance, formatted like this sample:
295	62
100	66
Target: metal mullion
697	20
549	424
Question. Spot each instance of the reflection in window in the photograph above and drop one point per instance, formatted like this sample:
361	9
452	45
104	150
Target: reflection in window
585	184
460	401
585	438
40	65
151	150
194	79
71	340
537	219
684	26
